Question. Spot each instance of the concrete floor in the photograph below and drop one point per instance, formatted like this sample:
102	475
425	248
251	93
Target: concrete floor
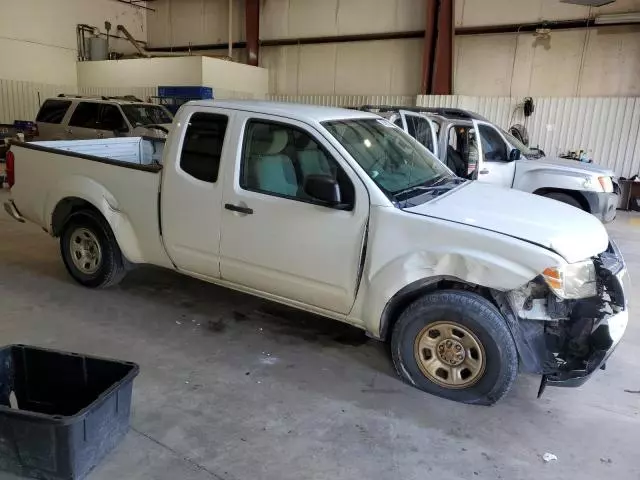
235	388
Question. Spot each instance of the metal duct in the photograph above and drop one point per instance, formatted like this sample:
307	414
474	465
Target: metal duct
132	40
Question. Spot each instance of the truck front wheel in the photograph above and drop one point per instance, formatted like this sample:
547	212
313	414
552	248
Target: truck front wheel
564	198
455	344
90	251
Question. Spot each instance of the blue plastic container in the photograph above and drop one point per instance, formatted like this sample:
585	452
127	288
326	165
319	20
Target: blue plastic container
192	93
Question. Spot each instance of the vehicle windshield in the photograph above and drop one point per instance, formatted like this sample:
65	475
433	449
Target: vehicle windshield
141	115
395	161
524	149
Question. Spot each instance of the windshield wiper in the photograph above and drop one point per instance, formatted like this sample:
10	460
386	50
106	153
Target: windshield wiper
421	188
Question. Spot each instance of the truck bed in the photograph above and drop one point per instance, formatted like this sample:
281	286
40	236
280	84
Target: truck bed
123	189
137	150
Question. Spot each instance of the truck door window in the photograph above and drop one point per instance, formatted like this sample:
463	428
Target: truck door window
420	129
53	111
277	158
111	119
85	115
202	146
462	150
494	148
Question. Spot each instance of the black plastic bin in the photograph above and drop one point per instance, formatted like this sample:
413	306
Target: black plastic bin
71	411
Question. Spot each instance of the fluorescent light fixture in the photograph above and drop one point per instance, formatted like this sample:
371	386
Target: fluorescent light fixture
633	17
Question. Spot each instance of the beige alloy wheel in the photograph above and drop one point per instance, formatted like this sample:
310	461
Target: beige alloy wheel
450	355
85	250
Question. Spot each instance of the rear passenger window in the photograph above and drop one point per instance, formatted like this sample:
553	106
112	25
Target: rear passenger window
111	118
85	115
202	146
53	111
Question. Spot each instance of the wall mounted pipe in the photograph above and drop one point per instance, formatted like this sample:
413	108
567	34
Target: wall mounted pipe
368	37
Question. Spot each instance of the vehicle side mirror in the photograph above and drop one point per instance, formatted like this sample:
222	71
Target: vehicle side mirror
515	154
323	188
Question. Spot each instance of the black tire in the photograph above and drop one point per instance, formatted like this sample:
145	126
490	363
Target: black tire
564	198
474	313
111	267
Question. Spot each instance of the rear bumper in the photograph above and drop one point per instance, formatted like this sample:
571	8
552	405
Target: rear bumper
13	212
602	205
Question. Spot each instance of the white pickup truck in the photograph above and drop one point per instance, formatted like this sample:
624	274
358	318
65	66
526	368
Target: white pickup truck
339	213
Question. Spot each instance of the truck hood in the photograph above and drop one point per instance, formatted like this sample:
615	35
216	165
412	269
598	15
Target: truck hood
564	165
573	234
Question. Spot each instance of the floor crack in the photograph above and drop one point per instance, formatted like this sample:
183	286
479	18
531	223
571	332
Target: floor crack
184	457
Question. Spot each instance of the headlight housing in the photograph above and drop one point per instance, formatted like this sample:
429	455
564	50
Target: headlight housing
606	183
573	280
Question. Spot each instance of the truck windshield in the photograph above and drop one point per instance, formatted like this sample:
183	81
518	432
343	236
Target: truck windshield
396	162
528	152
141	115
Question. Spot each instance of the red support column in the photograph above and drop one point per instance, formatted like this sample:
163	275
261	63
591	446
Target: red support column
443	62
252	19
430	31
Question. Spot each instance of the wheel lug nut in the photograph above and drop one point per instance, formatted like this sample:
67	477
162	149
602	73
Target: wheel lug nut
449	343
458	348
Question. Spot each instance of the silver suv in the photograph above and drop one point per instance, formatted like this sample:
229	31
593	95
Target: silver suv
476	149
75	117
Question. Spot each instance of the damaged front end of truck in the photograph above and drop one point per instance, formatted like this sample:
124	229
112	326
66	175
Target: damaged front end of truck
567	340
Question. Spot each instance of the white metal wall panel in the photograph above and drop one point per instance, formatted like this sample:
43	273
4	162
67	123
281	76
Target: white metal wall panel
346	100
607	128
19	100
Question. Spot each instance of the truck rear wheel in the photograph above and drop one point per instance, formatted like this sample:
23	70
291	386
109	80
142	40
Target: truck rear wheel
455	344
90	251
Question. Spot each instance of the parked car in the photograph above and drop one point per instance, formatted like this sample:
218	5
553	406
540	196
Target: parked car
18	129
339	213
501	159
75	117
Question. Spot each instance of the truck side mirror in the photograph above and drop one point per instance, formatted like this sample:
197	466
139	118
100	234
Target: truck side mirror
515	154
323	188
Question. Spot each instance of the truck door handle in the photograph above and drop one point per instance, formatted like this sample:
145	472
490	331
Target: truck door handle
238	208
483	171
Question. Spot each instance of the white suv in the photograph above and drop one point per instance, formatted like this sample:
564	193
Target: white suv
75	117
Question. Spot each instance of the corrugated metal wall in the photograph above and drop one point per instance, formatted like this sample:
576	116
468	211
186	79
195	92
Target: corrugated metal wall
346	100
19	100
607	128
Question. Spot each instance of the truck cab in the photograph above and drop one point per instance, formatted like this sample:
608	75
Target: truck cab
476	149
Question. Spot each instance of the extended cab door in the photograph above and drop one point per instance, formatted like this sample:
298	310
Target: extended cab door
494	164
422	128
191	195
276	238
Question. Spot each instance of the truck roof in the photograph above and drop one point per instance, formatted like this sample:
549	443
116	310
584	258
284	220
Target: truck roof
289	110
